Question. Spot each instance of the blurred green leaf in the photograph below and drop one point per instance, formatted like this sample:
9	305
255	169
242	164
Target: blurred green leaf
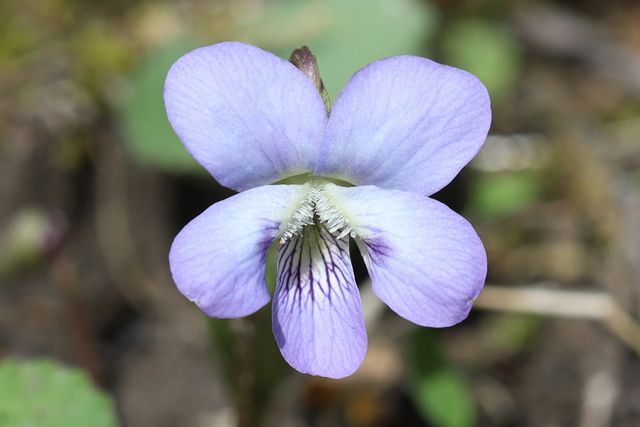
504	193
512	333
365	31
440	392
488	50
43	393
346	35
445	400
149	138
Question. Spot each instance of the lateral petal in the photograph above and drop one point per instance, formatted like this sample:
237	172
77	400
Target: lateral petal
426	262
317	316
249	117
218	260
405	123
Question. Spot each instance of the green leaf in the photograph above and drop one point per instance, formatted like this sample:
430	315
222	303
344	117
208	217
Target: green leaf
439	391
500	194
444	398
364	31
511	333
346	35
42	393
488	50
149	138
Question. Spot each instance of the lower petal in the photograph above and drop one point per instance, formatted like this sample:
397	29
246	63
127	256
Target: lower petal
426	262
317	316
218	260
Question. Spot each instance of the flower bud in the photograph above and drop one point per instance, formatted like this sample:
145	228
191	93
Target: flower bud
306	62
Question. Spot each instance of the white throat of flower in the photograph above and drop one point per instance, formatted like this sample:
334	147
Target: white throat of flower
315	205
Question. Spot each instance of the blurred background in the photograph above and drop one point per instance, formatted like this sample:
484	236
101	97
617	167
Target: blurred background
94	185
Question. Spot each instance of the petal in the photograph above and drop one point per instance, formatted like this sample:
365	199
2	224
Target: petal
249	117
218	260
426	262
405	123
317	316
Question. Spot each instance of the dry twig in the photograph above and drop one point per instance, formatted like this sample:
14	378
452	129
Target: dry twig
577	304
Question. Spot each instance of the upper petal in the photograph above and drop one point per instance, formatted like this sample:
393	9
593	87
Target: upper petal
317	316
426	262
218	260
249	117
406	123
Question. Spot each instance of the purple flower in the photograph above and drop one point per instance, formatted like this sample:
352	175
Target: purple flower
401	129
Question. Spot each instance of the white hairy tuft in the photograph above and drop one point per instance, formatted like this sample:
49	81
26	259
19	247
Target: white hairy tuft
316	206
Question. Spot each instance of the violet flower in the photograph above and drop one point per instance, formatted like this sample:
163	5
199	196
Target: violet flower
401	129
